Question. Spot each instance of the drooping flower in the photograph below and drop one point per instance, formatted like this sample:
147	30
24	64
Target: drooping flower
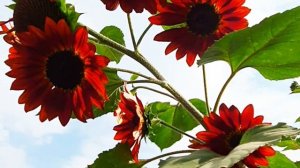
196	24
132	125
223	133
59	71
129	5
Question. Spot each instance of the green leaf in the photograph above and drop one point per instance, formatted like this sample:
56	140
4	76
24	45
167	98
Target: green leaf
289	143
297	164
113	92
118	157
298	119
268	133
174	115
134	77
115	34
189	161
295	87
271	47
69	10
280	161
11	6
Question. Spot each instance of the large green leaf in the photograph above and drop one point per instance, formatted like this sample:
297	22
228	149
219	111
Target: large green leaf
268	133
189	161
280	161
115	34
113	92
174	115
118	157
252	139
271	47
69	10
289	143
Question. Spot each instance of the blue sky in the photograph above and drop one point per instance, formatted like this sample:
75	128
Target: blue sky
27	143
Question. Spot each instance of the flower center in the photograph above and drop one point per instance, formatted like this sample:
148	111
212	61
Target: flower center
234	139
203	19
65	70
34	12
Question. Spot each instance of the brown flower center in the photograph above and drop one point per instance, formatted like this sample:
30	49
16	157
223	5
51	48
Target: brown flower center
65	70
34	12
203	19
233	139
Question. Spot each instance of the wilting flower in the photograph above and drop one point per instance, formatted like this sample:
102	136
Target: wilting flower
223	133
59	71
132	123
128	5
197	24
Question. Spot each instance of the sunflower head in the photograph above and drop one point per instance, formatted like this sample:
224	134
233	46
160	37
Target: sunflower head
195	25
59	71
224	132
34	12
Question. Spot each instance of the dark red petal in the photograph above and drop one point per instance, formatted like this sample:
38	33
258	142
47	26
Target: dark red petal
167	19
111	4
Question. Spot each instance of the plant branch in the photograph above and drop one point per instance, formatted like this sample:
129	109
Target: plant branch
131	32
205	88
161	80
222	91
143	34
154	90
131	72
164	155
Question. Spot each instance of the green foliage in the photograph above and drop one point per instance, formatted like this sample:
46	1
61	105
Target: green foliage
174	115
298	164
295	87
113	91
298	119
189	161
289	143
268	133
118	157
69	10
115	34
271	47
133	77
280	161
253	139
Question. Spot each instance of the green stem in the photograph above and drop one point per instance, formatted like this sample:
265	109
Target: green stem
179	131
205	88
134	55
154	90
139	58
129	71
222	91
131	32
164	155
143	34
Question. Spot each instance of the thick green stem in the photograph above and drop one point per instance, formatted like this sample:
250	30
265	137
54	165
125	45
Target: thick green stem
222	91
139	58
205	88
153	90
164	155
131	32
143	34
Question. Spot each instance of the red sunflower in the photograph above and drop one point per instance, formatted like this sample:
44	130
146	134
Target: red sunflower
59	71
197	24
128	5
30	12
132	123
224	133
